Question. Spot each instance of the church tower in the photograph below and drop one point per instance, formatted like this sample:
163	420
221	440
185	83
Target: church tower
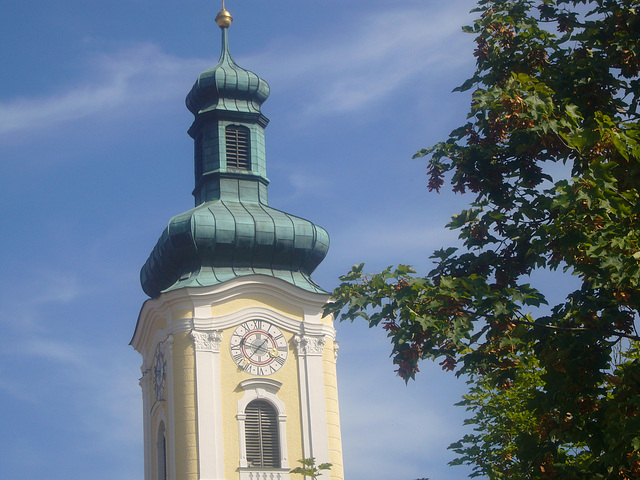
238	360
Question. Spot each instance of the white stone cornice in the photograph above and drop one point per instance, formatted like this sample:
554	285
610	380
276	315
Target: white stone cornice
207	341
195	298
261	284
159	313
278	319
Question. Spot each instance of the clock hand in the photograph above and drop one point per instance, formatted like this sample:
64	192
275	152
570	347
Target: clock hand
257	348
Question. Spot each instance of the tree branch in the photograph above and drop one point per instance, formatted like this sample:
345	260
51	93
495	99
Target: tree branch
578	329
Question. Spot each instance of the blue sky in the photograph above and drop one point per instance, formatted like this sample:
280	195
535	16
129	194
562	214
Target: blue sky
95	159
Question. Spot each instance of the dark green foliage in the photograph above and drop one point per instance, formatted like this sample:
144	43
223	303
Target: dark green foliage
551	152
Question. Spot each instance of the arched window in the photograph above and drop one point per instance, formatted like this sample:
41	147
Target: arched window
161	453
238	147
261	435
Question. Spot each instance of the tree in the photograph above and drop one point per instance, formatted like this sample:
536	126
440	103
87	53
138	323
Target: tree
308	468
551	153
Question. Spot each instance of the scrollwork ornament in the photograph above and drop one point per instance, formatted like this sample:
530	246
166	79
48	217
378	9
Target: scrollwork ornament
207	341
308	345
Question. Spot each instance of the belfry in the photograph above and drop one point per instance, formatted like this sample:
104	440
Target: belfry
238	360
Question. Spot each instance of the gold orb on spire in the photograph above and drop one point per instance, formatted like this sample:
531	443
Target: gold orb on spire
224	18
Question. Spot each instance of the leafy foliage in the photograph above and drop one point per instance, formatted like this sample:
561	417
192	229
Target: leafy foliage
551	152
308	468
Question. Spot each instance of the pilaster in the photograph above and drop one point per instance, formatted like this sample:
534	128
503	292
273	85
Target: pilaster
312	396
145	385
209	404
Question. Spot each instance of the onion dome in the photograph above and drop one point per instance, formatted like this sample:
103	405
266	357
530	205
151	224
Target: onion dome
226	86
232	231
221	240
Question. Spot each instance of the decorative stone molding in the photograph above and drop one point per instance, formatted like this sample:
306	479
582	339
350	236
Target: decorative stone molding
309	345
145	378
270	474
207	341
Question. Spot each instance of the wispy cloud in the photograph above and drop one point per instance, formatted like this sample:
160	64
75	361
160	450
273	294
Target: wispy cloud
355	67
129	78
25	302
76	366
59	288
375	58
390	241
52	350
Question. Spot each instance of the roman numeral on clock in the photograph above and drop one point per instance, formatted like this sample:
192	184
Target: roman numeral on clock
238	358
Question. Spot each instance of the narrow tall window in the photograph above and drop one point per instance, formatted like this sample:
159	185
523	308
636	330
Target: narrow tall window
238	147
261	432
161	453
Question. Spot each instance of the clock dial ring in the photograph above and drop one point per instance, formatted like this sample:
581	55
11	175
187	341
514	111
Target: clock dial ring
258	347
159	373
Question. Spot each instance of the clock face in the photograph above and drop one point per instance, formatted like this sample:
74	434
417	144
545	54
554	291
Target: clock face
258	347
159	374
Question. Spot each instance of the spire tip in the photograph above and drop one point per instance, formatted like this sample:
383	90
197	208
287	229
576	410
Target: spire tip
224	18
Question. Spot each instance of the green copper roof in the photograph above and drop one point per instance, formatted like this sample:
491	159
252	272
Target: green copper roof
228	87
232	231
220	240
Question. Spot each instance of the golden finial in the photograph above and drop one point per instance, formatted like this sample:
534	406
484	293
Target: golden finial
224	18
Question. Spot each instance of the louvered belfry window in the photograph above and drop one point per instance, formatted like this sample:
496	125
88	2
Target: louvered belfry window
238	147
261	431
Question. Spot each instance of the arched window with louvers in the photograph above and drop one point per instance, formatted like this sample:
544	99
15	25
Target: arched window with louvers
238	146
261	435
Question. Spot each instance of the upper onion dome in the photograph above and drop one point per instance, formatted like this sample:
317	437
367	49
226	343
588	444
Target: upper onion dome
232	231
226	86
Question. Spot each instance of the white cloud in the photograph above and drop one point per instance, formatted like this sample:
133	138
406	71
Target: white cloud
368	62
358	66
305	185
58	288
115	393
97	379
390	241
129	78
25	301
52	350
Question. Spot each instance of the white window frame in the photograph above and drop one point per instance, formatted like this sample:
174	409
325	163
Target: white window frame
262	389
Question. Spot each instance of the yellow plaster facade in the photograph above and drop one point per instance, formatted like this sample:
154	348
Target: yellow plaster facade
231	377
333	412
205	388
185	423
